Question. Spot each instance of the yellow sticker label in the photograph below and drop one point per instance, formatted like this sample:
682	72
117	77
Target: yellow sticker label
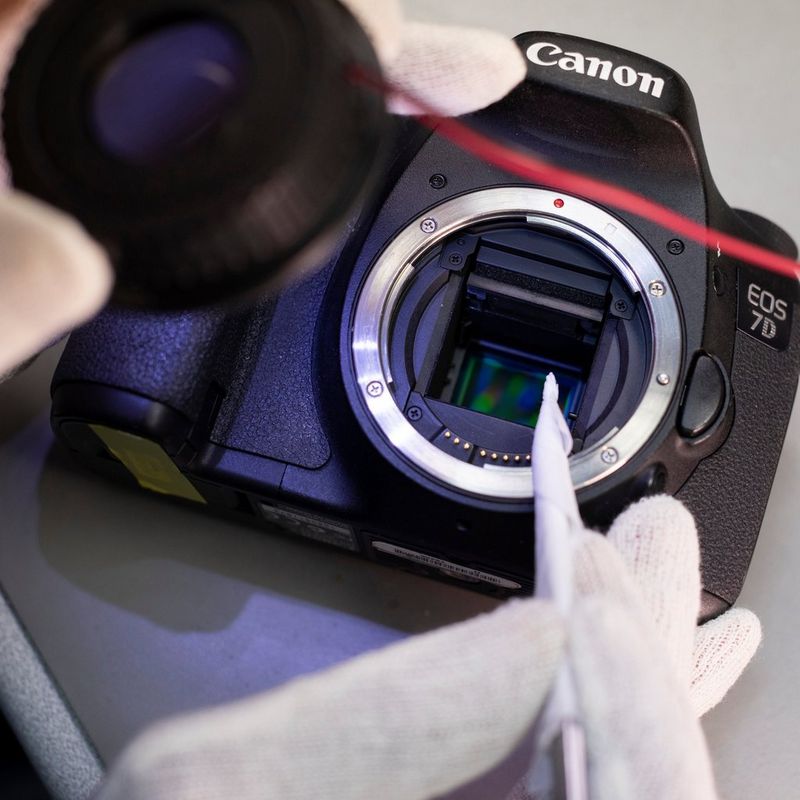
148	463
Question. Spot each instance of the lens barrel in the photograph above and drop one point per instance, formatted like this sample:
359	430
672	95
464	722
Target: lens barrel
209	145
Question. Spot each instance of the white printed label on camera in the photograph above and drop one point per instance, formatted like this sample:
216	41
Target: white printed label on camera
456	570
311	526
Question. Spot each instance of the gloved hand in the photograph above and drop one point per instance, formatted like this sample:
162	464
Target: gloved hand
424	716
53	276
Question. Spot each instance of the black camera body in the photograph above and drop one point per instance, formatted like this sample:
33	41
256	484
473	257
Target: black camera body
385	403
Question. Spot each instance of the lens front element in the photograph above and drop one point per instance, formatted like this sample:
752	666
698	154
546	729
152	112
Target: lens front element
166	89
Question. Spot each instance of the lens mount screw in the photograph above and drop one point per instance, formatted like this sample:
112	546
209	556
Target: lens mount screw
455	259
609	455
621	306
374	388
657	288
663	378
675	246
428	225
414	413
437	181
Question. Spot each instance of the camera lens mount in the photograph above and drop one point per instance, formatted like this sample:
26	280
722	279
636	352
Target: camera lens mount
472	303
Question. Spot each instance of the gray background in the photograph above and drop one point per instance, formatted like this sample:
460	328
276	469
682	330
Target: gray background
141	608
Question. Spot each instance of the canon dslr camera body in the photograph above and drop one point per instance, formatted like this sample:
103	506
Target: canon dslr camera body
385	403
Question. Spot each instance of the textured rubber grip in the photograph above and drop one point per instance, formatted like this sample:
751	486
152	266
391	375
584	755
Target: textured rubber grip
728	492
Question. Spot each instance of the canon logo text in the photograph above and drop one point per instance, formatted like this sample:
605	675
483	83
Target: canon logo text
547	54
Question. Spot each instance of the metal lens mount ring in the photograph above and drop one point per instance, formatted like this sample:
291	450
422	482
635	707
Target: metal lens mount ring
598	229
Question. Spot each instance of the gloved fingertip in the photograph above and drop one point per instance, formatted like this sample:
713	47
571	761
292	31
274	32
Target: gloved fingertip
666	508
723	648
53	275
654	529
453	70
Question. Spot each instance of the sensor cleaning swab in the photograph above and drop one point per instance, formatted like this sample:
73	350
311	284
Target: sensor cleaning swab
560	768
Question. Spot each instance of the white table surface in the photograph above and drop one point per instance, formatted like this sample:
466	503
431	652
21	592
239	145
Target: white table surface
130	600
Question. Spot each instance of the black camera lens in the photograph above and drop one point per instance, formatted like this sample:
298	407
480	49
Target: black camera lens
167	88
213	146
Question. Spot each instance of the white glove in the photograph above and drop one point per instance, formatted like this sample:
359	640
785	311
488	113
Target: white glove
429	714
454	70
644	672
53	277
